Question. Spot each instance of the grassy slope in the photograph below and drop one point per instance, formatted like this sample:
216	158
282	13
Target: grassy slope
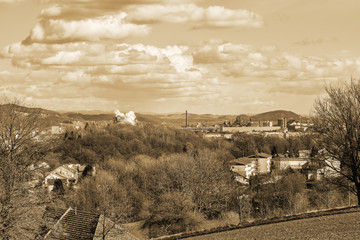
339	226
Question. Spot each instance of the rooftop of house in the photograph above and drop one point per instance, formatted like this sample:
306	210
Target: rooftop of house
260	155
71	167
74	224
285	159
242	161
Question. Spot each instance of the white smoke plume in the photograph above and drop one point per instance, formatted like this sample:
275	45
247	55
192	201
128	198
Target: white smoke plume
125	118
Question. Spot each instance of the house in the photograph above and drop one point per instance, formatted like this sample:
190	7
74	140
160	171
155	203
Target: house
250	166
76	225
330	169
310	170
244	168
69	174
304	153
282	163
316	169
263	162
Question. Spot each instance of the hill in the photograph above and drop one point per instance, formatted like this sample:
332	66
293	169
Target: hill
336	226
275	115
177	120
88	117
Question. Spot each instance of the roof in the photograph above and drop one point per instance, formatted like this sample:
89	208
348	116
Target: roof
242	161
82	225
284	159
71	167
260	155
74	225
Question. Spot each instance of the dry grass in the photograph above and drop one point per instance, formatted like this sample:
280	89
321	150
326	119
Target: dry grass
339	226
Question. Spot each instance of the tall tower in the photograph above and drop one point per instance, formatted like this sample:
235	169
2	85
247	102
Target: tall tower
186	119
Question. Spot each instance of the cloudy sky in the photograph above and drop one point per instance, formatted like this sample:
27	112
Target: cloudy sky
162	56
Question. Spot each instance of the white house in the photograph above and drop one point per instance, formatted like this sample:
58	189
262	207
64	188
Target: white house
251	166
68	173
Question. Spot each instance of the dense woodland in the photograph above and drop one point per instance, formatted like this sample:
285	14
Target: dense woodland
174	180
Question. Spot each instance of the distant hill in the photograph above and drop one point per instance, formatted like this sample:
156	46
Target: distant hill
275	115
88	117
172	120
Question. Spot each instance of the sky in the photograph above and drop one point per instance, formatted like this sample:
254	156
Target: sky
165	56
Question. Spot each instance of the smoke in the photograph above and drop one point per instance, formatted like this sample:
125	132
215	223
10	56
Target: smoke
125	118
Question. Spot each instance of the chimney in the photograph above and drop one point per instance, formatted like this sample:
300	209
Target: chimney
186	119
75	211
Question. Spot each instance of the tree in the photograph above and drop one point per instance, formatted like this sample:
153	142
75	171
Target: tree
244	145
20	148
171	213
337	119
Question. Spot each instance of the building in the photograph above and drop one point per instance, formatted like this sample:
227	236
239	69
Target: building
249	129
244	167
263	161
282	163
304	153
250	166
319	169
57	130
74	225
69	174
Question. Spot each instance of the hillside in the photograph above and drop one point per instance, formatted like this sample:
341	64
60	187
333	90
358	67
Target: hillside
275	115
339	226
172	120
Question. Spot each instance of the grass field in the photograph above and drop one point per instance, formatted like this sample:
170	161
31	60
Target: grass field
339	226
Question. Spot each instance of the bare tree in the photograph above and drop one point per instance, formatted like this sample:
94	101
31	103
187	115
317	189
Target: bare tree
20	129
337	118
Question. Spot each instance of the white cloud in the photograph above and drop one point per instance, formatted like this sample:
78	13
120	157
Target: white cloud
63	58
281	71
91	29
10	1
213	16
167	72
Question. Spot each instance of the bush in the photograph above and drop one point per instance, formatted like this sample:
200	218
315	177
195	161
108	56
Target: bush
172	212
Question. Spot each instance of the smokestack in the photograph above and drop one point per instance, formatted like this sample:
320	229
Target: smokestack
186	119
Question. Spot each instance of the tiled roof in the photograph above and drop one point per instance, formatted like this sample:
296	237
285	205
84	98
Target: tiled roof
81	225
74	225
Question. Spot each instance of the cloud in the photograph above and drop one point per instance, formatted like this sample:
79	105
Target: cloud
126	72
90	20
10	1
92	29
213	16
280	71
